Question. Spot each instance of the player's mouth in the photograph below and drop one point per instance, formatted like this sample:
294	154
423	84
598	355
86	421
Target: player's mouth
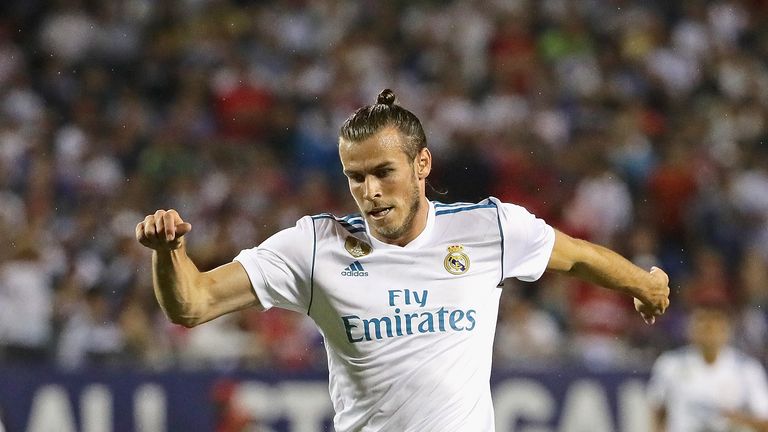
379	213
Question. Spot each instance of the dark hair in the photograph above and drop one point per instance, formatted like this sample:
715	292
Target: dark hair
370	119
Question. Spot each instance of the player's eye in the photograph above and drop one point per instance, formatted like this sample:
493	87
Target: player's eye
383	172
356	178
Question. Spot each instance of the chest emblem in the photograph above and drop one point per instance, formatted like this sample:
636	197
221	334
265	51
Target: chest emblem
456	262
356	247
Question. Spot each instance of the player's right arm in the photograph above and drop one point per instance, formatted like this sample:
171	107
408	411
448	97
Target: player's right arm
188	296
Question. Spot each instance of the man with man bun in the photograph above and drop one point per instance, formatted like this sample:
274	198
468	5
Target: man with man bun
405	293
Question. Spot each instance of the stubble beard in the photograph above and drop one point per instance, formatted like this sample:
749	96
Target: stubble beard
394	233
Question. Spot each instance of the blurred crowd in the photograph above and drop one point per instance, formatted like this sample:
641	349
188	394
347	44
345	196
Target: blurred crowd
640	125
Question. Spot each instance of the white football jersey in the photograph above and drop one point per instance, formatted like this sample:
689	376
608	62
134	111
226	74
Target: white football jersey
408	330
695	394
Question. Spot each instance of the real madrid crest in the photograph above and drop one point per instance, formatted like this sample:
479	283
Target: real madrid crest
356	247
456	262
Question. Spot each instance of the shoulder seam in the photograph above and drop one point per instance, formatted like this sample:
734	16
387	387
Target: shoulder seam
312	271
352	227
462	209
449	205
501	237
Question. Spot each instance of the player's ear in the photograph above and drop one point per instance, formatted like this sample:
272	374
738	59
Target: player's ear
423	163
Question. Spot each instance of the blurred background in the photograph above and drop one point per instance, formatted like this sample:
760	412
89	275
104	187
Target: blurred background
639	125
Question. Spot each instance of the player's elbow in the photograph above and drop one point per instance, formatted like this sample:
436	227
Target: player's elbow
187	317
188	322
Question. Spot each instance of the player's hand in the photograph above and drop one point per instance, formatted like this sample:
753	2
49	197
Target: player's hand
162	230
657	297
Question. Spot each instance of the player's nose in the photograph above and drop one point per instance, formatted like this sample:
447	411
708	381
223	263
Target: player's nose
371	188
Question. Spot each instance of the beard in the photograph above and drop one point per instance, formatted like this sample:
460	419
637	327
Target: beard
414	204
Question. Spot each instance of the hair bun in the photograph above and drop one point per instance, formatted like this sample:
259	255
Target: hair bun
386	97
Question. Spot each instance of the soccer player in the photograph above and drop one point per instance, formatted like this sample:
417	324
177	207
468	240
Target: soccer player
405	293
708	386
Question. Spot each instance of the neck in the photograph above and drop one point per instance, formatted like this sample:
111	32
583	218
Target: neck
709	354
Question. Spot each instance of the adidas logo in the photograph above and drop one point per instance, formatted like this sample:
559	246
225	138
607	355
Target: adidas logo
355	269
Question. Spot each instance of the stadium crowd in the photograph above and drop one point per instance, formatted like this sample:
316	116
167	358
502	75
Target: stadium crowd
637	125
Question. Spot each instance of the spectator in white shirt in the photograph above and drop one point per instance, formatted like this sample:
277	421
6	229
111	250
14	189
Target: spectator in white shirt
26	296
708	386
90	337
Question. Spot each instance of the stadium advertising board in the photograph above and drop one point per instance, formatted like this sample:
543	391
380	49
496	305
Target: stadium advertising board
100	401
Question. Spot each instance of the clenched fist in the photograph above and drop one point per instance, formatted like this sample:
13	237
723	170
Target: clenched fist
162	230
657	297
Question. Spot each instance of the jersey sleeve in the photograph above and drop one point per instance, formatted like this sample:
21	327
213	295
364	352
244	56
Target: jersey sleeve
527	240
280	268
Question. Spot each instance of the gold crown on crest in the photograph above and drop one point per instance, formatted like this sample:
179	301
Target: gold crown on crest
455	248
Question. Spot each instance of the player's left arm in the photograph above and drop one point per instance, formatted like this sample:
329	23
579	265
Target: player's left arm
602	266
